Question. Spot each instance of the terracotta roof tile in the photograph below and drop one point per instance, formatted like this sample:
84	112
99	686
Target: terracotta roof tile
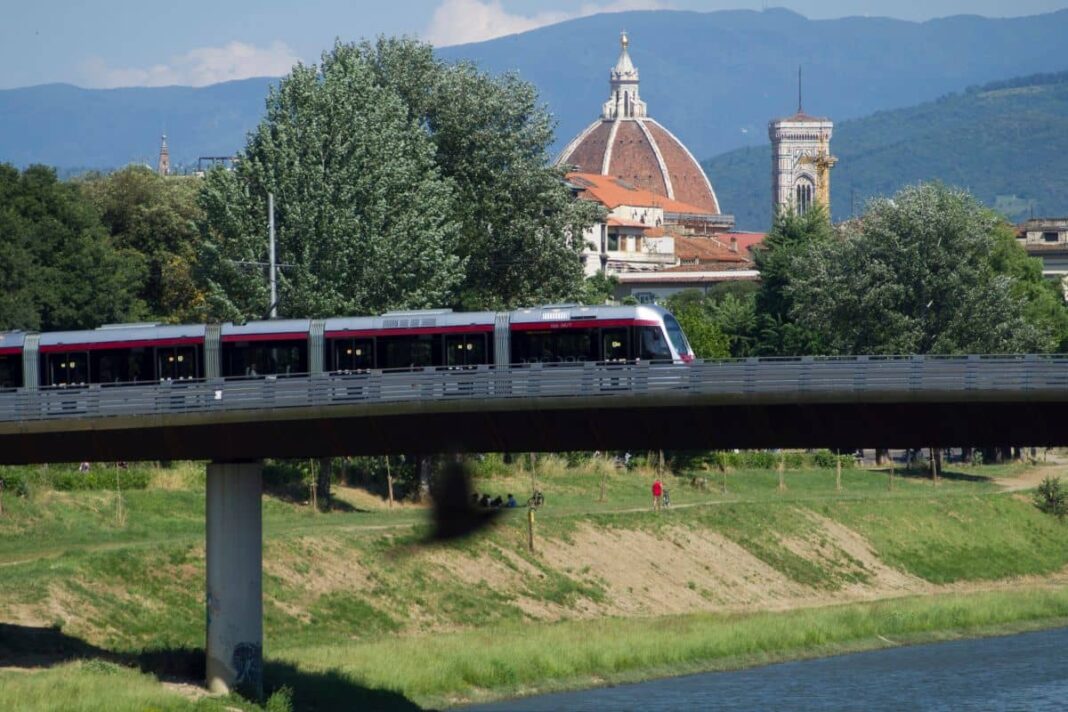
613	192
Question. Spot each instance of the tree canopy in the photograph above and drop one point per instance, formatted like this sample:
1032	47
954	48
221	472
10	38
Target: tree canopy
400	182
927	271
59	269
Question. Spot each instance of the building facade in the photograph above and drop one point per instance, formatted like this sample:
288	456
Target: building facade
801	162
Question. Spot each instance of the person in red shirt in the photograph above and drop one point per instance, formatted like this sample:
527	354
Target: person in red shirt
658	493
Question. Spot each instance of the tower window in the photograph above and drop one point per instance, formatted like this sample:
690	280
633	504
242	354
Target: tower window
804	193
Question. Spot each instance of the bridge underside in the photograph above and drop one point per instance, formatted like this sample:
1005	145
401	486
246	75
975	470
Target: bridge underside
562	425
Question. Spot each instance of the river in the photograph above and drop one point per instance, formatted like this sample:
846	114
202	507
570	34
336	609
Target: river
1021	672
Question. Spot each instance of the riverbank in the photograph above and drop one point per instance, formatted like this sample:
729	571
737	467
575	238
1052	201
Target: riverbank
355	610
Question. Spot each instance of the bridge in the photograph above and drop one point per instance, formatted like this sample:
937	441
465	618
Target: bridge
792	402
752	403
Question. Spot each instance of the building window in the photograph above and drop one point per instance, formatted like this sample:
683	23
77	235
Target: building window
1051	237
803	196
613	242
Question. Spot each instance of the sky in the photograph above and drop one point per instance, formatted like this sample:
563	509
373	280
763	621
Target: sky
114	43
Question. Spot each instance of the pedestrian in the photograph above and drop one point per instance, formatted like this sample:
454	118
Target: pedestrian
658	493
511	502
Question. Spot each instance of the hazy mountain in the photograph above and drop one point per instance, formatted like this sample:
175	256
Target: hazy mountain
713	78
70	127
1005	141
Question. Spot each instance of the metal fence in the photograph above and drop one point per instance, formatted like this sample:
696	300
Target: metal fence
798	379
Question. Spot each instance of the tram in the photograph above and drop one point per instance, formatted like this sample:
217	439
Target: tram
440	338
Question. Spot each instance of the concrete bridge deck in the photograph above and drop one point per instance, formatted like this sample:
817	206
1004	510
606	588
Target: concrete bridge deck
800	402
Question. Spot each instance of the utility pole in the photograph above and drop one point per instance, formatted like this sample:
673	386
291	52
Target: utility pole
271	260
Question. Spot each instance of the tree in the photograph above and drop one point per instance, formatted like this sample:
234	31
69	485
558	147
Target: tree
401	181
157	217
701	331
519	225
364	216
59	268
792	235
916	274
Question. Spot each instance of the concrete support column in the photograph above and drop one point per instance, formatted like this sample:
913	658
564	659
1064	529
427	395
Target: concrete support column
234	554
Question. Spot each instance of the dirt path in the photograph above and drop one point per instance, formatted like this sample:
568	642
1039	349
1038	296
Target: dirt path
1032	477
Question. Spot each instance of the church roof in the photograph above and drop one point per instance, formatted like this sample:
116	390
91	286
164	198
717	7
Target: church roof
625	143
613	192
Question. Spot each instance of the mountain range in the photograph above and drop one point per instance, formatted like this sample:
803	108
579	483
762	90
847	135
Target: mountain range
1005	142
714	79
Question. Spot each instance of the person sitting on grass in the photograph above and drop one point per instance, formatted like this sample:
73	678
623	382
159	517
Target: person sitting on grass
511	503
485	501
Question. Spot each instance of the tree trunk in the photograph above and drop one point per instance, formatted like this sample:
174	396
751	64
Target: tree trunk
424	478
326	465
890	483
879	457
837	472
782	473
389	482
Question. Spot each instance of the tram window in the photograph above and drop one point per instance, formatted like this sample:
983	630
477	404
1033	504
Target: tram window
179	363
465	349
120	366
67	369
11	371
565	345
652	344
678	339
614	344
266	358
352	354
409	351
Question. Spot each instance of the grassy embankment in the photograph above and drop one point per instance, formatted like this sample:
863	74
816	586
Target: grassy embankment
354	611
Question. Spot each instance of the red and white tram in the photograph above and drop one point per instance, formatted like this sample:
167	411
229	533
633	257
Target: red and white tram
133	353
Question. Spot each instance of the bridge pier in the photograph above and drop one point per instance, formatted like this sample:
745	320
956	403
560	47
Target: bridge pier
234	562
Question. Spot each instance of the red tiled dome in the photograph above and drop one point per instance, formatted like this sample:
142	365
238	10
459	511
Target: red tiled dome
644	153
627	144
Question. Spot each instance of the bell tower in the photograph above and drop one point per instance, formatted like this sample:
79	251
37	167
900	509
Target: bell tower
801	159
164	166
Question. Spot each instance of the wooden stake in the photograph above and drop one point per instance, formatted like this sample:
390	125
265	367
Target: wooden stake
890	484
838	471
530	528
389	482
782	472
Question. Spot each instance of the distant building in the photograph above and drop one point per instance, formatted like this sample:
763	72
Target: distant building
164	165
625	143
1047	239
801	160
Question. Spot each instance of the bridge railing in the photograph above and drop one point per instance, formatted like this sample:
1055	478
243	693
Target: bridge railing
787	377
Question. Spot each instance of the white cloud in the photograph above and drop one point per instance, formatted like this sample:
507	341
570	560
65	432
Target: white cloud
462	21
197	67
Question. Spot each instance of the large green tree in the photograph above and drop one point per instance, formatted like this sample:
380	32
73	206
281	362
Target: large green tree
926	271
364	216
59	268
156	216
400	181
515	213
792	236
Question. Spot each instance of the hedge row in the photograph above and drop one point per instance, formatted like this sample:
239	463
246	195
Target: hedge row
22	482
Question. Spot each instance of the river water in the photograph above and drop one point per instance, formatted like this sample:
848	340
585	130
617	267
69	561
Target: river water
1021	672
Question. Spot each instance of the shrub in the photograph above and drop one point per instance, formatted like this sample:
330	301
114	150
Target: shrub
99	478
1052	497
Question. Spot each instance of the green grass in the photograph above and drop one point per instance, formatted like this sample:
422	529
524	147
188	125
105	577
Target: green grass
137	584
98	685
509	660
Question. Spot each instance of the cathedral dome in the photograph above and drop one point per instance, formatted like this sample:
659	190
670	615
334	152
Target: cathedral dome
625	143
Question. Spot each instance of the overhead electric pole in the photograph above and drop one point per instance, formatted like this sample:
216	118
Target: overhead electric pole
271	260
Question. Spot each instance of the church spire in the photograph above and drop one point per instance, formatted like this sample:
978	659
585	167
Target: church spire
624	103
164	166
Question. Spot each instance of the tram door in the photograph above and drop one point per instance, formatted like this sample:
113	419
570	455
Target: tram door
177	363
614	345
67	369
465	350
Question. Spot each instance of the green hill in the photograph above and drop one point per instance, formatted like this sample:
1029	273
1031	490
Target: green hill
1003	141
